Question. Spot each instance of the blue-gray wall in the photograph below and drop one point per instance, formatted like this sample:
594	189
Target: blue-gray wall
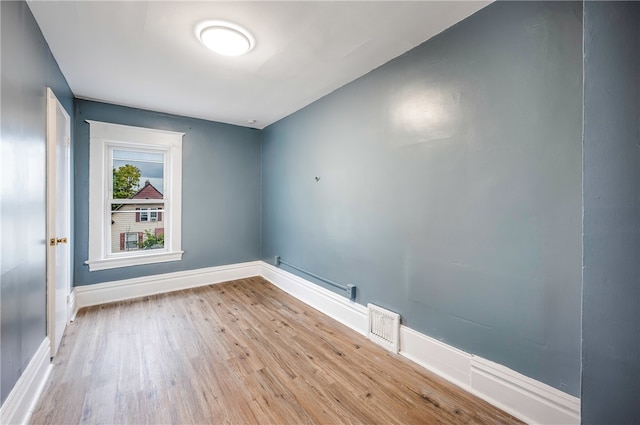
450	187
220	191
450	191
27	69
611	276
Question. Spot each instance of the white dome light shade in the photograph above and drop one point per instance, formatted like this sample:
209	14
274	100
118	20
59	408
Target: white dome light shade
224	38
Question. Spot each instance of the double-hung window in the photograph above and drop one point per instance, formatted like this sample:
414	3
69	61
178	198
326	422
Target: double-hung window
135	196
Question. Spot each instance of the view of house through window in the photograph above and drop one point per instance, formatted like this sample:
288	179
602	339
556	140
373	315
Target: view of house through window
137	204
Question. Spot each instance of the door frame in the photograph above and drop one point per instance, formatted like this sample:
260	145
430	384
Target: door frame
53	106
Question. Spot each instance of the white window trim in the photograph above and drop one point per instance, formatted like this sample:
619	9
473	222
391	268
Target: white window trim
101	137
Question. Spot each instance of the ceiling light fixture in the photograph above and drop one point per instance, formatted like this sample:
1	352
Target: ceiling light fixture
225	38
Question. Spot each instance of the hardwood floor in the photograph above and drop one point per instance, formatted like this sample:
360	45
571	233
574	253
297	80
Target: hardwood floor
242	352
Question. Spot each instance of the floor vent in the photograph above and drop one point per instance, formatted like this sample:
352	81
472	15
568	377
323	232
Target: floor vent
384	327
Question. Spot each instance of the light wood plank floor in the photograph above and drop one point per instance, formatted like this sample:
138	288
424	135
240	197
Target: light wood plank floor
242	352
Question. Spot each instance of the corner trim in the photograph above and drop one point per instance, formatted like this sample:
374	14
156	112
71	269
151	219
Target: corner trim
21	401
102	293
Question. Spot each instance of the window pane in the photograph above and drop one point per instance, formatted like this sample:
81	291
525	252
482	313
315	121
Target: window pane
131	241
138	175
137	227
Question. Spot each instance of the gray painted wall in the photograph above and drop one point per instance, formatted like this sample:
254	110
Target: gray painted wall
27	69
220	191
611	277
450	188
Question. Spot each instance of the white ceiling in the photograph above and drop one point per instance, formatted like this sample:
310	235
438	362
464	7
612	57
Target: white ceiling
145	53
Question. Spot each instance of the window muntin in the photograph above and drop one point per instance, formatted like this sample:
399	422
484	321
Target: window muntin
135	188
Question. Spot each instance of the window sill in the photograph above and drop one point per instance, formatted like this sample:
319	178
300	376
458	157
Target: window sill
137	260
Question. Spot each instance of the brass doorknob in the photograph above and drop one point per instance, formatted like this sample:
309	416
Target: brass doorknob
54	241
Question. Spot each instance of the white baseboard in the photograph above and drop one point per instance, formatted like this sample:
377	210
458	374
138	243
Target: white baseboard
528	399
450	363
72	307
333	305
21	401
102	293
523	397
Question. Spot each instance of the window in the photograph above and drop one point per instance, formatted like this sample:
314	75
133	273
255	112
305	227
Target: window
135	192
149	214
130	241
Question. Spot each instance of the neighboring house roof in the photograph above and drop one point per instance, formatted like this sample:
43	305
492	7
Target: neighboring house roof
148	191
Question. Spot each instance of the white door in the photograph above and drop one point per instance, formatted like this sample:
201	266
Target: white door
58	219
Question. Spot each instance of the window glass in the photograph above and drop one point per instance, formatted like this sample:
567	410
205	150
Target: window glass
147	222
130	241
135	170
